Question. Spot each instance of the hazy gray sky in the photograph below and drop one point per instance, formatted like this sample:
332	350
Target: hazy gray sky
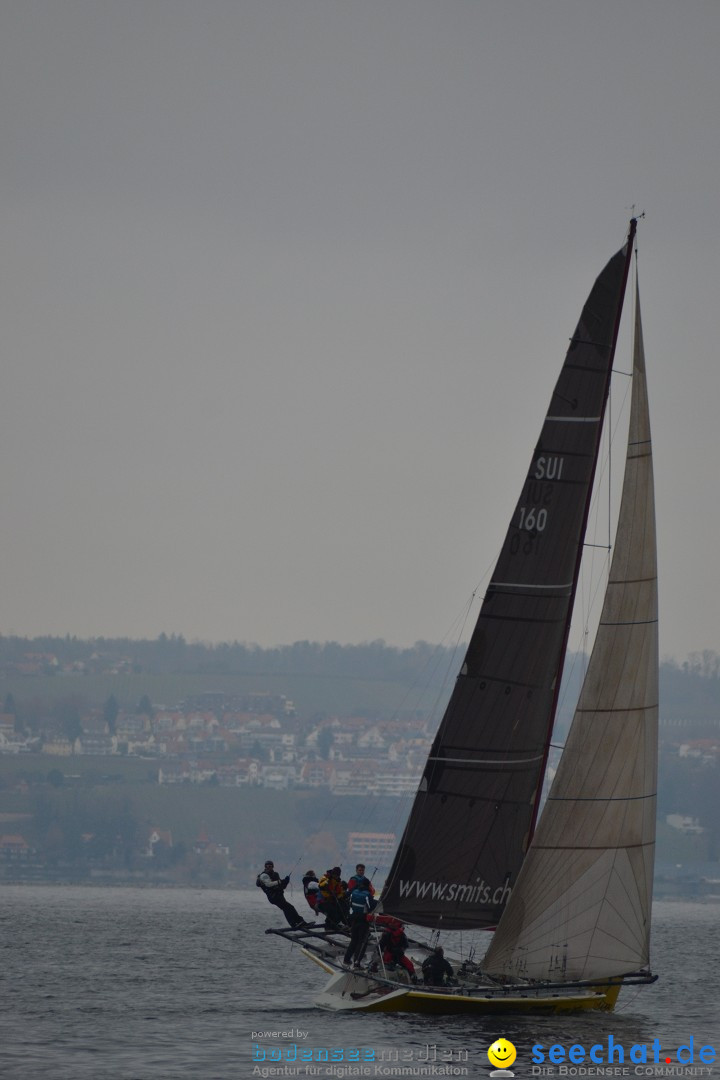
286	285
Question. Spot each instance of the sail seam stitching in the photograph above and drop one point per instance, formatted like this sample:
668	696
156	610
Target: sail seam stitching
591	847
623	709
632	581
600	798
630	622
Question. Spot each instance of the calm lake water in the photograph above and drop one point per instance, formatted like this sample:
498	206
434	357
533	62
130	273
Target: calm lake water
134	984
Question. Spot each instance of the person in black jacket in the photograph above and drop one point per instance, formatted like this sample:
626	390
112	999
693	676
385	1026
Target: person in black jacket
274	887
436	969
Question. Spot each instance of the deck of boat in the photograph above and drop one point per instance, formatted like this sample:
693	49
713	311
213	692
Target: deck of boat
360	989
351	991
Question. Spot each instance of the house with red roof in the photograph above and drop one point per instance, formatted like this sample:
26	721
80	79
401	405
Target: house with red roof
14	847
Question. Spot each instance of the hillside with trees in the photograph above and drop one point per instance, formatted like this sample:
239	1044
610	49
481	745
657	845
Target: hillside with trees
82	815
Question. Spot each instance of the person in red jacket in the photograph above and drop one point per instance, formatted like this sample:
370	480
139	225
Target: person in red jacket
393	943
311	888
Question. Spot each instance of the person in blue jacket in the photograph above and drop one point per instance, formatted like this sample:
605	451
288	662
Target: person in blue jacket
361	904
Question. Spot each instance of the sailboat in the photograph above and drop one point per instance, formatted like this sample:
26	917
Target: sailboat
567	891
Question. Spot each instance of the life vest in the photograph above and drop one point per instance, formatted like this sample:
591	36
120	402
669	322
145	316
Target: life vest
331	888
360	901
273	874
312	893
361	882
393	943
388	922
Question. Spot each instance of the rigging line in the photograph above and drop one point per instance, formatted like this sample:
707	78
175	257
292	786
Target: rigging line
590	573
369	812
610	465
426	677
451	665
401	809
301	856
458	629
455	632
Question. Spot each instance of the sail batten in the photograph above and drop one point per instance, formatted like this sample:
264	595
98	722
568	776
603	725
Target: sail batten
581	905
574	419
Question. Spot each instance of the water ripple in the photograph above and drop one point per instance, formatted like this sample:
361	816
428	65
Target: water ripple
125	984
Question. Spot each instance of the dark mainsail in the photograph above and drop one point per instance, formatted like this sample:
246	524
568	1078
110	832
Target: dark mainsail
476	804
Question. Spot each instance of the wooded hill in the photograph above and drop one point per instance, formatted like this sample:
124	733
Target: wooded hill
372	679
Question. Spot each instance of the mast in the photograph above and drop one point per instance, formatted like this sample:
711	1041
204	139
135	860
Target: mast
470	824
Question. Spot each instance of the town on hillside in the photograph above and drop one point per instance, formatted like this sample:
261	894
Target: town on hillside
66	765
255	741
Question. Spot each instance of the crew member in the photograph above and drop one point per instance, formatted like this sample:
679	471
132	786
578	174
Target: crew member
360	881
333	899
393	943
361	904
274	888
311	888
436	969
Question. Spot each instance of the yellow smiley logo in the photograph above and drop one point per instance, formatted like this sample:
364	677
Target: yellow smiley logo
502	1053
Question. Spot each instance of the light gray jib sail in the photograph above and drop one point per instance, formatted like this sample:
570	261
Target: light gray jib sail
581	905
